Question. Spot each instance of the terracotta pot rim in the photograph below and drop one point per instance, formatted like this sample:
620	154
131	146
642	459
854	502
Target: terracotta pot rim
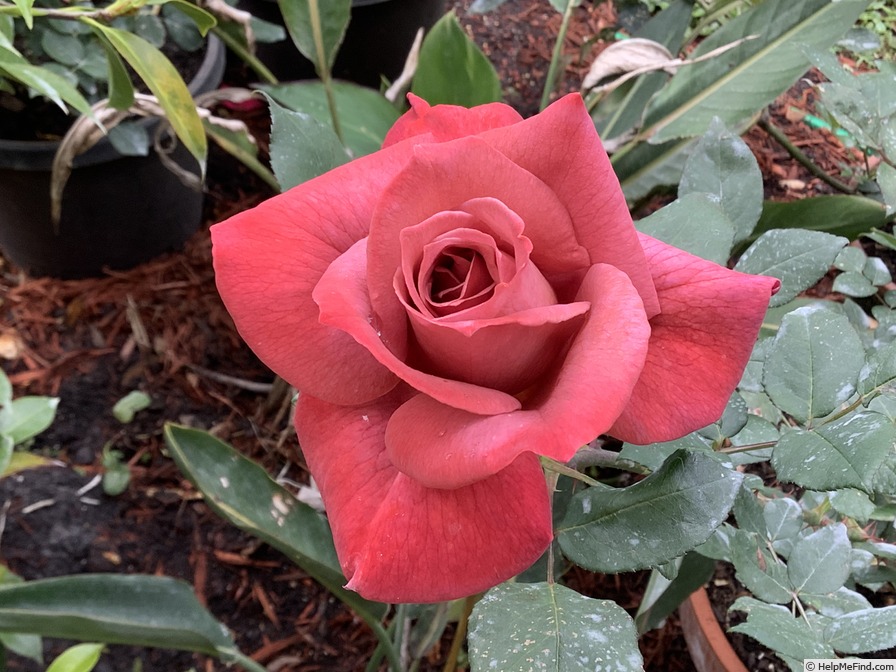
707	642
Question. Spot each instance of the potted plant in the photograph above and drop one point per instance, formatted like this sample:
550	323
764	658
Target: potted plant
122	203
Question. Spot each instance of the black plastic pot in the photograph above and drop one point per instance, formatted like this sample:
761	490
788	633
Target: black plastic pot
376	43
117	211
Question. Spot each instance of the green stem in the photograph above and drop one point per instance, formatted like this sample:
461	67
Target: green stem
801	158
730	450
247	56
459	635
323	68
386	643
557	55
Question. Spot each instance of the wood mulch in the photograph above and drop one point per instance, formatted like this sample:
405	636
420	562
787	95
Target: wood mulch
161	328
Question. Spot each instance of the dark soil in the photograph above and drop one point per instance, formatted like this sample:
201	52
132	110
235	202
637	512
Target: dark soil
162	329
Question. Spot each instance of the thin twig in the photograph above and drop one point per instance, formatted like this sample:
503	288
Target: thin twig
766	125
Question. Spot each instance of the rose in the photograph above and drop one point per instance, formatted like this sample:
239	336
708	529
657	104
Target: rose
469	297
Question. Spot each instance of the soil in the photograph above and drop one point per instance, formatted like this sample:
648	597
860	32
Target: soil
161	329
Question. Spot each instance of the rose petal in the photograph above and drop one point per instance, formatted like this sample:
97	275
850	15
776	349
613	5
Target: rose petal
268	259
507	353
447	122
445	176
561	148
341	295
445	447
399	541
699	344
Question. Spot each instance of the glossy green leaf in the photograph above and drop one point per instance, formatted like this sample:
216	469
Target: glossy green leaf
30	416
722	164
115	609
783	519
47	83
814	362
22	644
757	569
365	116
240	491
121	88
24	7
452	69
863	631
662	517
317	28
745	79
819	562
165	83
78	658
519	627
842	454
204	20
653	455
837	214
778	629
798	258
696	223
882	238
302	147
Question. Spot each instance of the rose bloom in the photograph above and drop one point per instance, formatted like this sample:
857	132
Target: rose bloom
468	298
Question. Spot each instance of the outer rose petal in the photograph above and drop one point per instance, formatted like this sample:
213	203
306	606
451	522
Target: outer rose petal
342	297
699	344
399	541
447	122
445	447
268	259
562	149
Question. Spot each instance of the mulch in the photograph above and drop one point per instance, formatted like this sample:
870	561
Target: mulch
161	328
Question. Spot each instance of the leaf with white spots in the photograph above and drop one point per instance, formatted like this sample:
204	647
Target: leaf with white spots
527	627
846	453
813	365
667	514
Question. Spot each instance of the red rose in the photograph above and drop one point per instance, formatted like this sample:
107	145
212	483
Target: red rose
468	298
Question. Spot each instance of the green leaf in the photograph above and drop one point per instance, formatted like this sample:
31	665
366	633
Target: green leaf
121	88
302	147
877	272
166	84
115	609
662	517
819	562
623	108
757	569
365	116
24	7
241	492
837	214
879	370
78	658
841	454
27	646
783	519
723	165
798	258
130	404
47	83
451	68
64	49
882	238
853	284
776	628
813	365
851	258
696	223
520	627
745	79
643	168
654	454
694	572
203	20
863	631
30	416
841	601
886	180
317	28
852	503
748	512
